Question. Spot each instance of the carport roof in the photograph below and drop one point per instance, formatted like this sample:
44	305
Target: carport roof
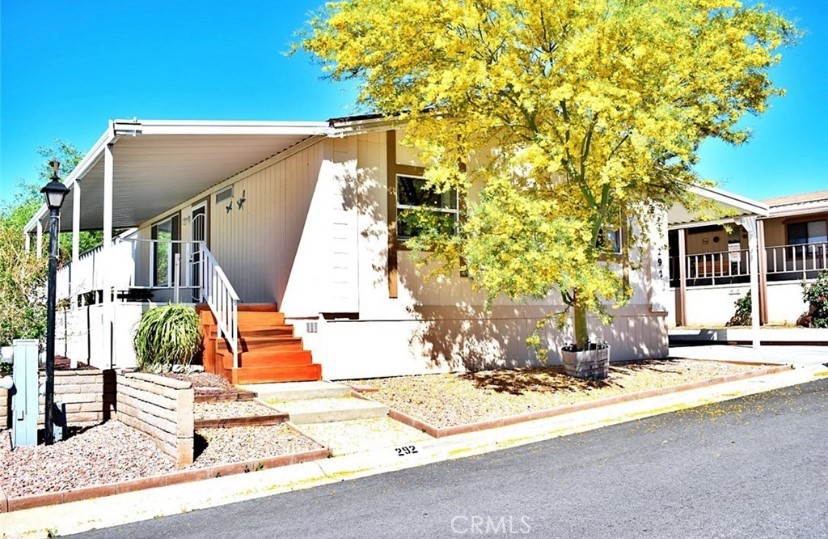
159	164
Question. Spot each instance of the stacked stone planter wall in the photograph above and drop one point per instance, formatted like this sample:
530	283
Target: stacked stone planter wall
89	396
161	408
5	404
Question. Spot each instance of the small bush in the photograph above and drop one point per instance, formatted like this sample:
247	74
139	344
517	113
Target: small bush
816	296
167	335
742	316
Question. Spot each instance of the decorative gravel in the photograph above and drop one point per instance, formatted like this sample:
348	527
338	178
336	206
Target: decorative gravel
228	409
238	444
205	383
445	400
103	454
112	452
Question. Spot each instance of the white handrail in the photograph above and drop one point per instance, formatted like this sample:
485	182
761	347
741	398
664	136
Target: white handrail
222	299
798	258
720	264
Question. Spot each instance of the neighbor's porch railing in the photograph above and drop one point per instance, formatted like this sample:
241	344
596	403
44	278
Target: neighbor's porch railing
156	265
724	267
783	263
800	261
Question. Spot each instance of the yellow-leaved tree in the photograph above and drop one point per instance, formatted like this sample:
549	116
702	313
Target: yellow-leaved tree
559	122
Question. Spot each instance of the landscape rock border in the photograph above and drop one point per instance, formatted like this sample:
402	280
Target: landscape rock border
440	432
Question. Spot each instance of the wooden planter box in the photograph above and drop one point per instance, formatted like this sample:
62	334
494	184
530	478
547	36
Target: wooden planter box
590	364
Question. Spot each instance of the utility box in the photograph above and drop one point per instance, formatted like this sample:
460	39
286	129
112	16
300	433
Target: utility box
24	406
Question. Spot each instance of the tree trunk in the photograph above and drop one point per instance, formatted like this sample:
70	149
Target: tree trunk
581	331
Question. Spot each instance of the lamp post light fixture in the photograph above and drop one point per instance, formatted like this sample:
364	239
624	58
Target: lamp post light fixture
55	193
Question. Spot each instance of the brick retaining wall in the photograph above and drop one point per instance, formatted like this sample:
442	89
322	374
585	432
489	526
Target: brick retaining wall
161	408
5	405
89	395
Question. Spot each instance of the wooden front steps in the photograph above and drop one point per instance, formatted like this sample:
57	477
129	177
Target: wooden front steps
268	351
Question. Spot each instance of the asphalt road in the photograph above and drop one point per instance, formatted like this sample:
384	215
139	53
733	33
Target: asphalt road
752	467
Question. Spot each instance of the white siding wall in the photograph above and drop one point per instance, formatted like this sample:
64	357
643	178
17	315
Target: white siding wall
441	325
257	244
312	235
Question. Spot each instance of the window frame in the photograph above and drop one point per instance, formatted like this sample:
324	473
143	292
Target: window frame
455	211
811	246
175	236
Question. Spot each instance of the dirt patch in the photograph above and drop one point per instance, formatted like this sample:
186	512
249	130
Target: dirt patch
447	400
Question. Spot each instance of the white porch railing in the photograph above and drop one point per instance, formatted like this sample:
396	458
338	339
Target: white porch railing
798	259
158	265
784	263
223	301
723	265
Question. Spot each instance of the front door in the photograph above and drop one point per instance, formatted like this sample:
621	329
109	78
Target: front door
198	233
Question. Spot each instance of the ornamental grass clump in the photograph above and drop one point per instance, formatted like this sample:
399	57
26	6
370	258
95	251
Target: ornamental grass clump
168	335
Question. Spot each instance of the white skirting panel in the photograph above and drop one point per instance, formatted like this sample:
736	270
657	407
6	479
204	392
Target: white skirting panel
350	349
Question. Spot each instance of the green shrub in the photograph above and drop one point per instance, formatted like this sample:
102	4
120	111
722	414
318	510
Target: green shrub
816	296
742	316
167	335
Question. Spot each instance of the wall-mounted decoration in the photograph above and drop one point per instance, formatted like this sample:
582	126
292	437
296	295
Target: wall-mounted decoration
715	239
229	206
241	200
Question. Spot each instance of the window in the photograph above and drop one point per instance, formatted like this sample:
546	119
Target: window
164	250
224	194
610	240
808	232
413	197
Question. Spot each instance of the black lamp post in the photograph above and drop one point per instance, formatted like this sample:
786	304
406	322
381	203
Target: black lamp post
55	193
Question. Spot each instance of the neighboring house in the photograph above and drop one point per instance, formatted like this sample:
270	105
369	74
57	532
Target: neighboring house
793	246
303	215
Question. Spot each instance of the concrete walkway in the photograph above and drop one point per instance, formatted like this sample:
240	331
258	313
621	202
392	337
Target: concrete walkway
143	505
782	355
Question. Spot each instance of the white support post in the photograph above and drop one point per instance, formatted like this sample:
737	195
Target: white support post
681	304
109	173
39	243
28	240
749	224
76	195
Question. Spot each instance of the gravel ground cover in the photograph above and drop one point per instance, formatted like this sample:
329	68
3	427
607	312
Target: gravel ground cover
206	384
228	409
446	400
238	444
112	452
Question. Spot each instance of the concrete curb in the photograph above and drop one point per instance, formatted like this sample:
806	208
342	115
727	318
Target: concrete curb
440	432
174	478
4	501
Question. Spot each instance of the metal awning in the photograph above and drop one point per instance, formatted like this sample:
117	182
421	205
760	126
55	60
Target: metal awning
160	164
731	205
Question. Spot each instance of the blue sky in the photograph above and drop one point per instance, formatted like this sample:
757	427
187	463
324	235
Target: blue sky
66	68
